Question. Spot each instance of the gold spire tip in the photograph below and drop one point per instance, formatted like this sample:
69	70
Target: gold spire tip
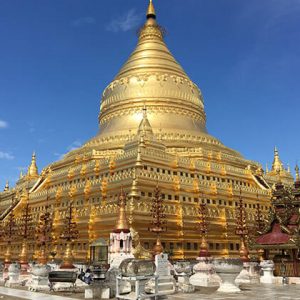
151	11
32	169
297	173
6	188
144	111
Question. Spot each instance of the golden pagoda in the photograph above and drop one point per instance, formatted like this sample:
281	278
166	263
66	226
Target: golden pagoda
152	127
278	172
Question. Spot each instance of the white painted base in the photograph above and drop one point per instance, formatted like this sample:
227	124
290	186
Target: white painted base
228	287
228	283
267	267
243	278
205	280
184	284
294	280
88	293
267	277
166	285
63	286
80	283
96	293
38	283
13	279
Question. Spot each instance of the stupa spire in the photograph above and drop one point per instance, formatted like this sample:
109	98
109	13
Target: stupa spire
122	223
267	168
33	170
6	188
151	11
145	128
277	164
297	173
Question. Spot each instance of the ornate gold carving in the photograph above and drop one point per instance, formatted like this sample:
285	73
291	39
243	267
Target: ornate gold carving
208	167
112	164
87	188
58	194
196	186
71	173
83	170
176	181
97	167
138	250
230	189
72	191
213	189
104	188
223	170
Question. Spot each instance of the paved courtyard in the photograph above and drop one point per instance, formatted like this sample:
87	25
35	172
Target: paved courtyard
269	292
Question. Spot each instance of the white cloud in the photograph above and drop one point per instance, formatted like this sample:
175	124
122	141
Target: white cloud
6	155
59	155
125	22
83	21
21	168
3	124
275	12
73	146
31	127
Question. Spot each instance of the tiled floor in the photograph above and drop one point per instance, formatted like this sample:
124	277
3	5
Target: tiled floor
29	295
5	297
259	292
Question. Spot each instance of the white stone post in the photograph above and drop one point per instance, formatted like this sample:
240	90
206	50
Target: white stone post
267	267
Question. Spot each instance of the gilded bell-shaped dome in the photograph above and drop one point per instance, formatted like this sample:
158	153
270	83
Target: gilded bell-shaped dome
151	77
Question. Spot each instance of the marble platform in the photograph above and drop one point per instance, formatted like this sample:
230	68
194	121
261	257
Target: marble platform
258	292
30	295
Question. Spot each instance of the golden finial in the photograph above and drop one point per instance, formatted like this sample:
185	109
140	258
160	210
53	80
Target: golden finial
21	174
277	164
297	173
267	168
134	188
122	223
6	188
151	11
288	168
144	111
33	170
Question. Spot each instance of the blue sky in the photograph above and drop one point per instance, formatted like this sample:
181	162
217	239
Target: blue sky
57	56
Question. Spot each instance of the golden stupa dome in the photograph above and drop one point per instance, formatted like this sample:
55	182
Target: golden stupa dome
151	77
152	80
